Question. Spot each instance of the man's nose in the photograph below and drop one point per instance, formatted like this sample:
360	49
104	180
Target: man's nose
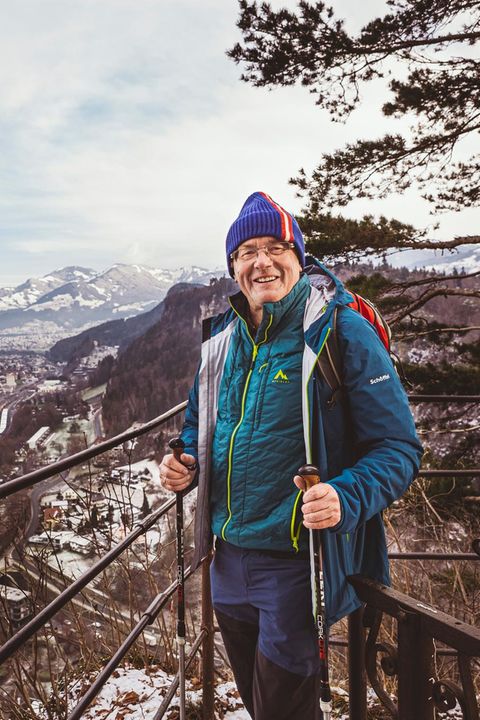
263	258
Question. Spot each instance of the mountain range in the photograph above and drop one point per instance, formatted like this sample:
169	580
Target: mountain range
464	258
153	371
72	299
42	311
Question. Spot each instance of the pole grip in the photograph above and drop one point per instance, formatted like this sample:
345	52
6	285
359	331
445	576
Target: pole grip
178	446
311	475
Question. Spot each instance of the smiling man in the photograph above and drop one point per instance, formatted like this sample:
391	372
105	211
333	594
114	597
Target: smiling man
259	409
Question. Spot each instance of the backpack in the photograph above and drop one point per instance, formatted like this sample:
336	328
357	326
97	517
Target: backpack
330	360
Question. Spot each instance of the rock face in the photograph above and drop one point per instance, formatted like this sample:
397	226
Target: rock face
73	299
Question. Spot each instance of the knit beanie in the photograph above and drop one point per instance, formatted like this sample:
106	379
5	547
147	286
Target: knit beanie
260	216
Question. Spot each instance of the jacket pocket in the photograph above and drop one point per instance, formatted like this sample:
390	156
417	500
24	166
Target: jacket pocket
264	372
338	559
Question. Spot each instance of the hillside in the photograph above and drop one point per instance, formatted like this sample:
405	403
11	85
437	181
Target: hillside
116	333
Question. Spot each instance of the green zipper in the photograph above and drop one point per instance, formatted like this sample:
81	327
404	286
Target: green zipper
295	534
232	438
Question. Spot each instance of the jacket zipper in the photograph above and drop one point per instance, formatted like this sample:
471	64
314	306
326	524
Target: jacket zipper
235	430
295	533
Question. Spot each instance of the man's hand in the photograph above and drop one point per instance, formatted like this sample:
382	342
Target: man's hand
321	505
175	476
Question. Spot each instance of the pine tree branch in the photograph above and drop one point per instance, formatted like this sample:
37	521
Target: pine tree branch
427	296
465	240
399	336
430	280
368	50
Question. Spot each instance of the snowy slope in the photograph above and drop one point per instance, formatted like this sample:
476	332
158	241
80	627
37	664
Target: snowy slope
33	289
465	257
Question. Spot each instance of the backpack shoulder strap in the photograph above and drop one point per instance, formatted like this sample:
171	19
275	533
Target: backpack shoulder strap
329	361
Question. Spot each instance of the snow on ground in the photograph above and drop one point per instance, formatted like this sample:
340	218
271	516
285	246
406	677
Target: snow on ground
90	393
136	694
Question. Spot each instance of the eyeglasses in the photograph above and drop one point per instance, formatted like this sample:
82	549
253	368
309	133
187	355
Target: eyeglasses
246	254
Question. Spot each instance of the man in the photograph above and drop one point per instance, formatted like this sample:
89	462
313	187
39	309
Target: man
258	410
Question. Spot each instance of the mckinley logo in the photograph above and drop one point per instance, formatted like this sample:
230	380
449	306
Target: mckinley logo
281	377
380	378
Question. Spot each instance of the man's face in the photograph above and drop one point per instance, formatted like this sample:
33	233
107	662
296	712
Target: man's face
266	278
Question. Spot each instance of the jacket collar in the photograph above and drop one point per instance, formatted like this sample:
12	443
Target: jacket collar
273	313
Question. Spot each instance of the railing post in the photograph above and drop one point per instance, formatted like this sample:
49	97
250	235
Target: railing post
357	678
415	659
208	644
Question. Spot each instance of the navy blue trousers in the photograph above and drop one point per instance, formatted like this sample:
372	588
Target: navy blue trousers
264	610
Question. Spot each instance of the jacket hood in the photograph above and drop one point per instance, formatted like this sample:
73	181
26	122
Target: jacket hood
323	279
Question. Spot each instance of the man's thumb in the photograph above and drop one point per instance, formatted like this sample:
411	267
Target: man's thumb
300	482
187	459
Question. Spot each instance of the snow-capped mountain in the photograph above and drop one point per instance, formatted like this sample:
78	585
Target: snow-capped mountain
72	299
33	289
465	258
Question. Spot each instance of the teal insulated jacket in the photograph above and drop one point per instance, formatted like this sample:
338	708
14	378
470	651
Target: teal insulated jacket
364	444
258	442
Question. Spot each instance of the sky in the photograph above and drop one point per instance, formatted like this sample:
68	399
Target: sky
127	136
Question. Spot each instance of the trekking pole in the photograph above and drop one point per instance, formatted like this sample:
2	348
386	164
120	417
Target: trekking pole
178	446
311	475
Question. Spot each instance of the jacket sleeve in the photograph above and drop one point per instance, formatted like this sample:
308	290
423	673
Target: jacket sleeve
386	445
189	432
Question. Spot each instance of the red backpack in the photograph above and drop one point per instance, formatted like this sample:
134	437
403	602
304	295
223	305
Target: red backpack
330	361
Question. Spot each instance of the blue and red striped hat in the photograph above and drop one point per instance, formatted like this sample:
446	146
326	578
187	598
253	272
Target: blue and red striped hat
259	216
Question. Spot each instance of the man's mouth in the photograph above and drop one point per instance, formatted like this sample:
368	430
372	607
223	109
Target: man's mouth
266	279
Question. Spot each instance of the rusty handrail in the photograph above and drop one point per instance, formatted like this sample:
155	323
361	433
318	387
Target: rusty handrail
36	476
443	398
140	528
147	619
46	614
418	626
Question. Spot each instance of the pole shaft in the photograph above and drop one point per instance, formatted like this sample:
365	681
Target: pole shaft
208	646
177	445
180	606
311	477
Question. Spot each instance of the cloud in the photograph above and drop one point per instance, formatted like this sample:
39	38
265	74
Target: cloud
126	135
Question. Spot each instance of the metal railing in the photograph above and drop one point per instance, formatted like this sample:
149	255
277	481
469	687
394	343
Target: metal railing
419	628
418	625
205	637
